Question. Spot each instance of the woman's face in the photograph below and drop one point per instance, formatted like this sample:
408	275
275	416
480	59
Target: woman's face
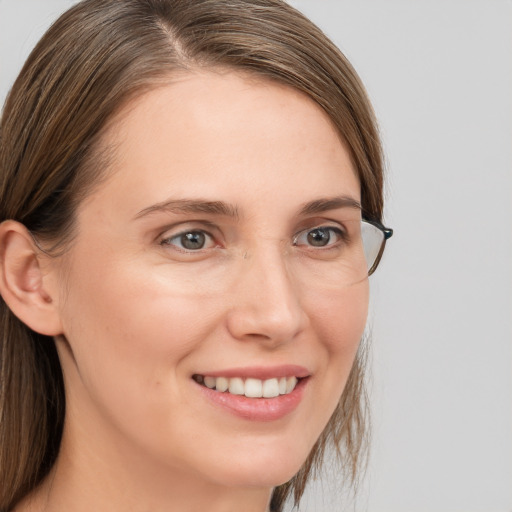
217	253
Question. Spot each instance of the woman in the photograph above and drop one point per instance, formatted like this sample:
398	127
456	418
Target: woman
183	259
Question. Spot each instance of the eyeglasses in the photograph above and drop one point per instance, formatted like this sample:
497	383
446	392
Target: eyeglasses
374	236
351	253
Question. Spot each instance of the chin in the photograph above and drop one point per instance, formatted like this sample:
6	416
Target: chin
267	468
260	477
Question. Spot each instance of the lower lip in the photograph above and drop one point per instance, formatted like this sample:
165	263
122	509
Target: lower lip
257	409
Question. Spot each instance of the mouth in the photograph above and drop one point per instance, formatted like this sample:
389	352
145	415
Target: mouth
258	393
249	387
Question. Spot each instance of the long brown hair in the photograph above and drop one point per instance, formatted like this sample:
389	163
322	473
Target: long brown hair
96	57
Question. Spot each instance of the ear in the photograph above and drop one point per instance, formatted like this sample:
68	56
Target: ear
25	285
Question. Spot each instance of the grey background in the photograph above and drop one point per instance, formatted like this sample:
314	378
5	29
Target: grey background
440	76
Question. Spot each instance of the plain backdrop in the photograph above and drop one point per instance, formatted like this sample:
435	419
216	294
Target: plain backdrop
439	73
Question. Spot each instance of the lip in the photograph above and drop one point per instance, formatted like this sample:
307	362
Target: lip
255	409
261	372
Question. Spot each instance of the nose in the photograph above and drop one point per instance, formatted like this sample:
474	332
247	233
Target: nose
266	301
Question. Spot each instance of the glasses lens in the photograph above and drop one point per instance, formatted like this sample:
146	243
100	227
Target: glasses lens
373	240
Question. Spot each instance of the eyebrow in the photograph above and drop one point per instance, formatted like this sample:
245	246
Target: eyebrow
191	206
330	203
228	210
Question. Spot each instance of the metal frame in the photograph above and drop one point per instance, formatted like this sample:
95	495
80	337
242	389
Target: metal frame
388	233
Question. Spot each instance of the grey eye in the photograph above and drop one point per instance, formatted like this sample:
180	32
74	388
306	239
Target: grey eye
193	240
190	240
318	237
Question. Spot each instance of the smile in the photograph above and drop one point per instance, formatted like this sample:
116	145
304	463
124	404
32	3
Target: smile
256	393
250	387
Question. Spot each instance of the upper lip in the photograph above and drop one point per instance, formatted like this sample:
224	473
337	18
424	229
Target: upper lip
260	372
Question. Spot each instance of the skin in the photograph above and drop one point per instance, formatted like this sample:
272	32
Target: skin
135	315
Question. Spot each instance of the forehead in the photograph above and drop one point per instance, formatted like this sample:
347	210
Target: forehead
221	133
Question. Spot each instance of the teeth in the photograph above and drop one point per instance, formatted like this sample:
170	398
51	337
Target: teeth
209	382
271	388
252	388
291	382
221	384
236	386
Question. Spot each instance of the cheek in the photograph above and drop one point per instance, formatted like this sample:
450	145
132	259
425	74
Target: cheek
128	330
340	317
132	336
339	324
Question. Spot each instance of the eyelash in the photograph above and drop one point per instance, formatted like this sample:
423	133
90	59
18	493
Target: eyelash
341	236
178	236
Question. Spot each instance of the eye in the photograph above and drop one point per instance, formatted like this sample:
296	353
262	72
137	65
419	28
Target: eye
193	240
323	236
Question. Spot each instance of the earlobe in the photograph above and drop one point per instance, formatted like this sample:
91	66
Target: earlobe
24	286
